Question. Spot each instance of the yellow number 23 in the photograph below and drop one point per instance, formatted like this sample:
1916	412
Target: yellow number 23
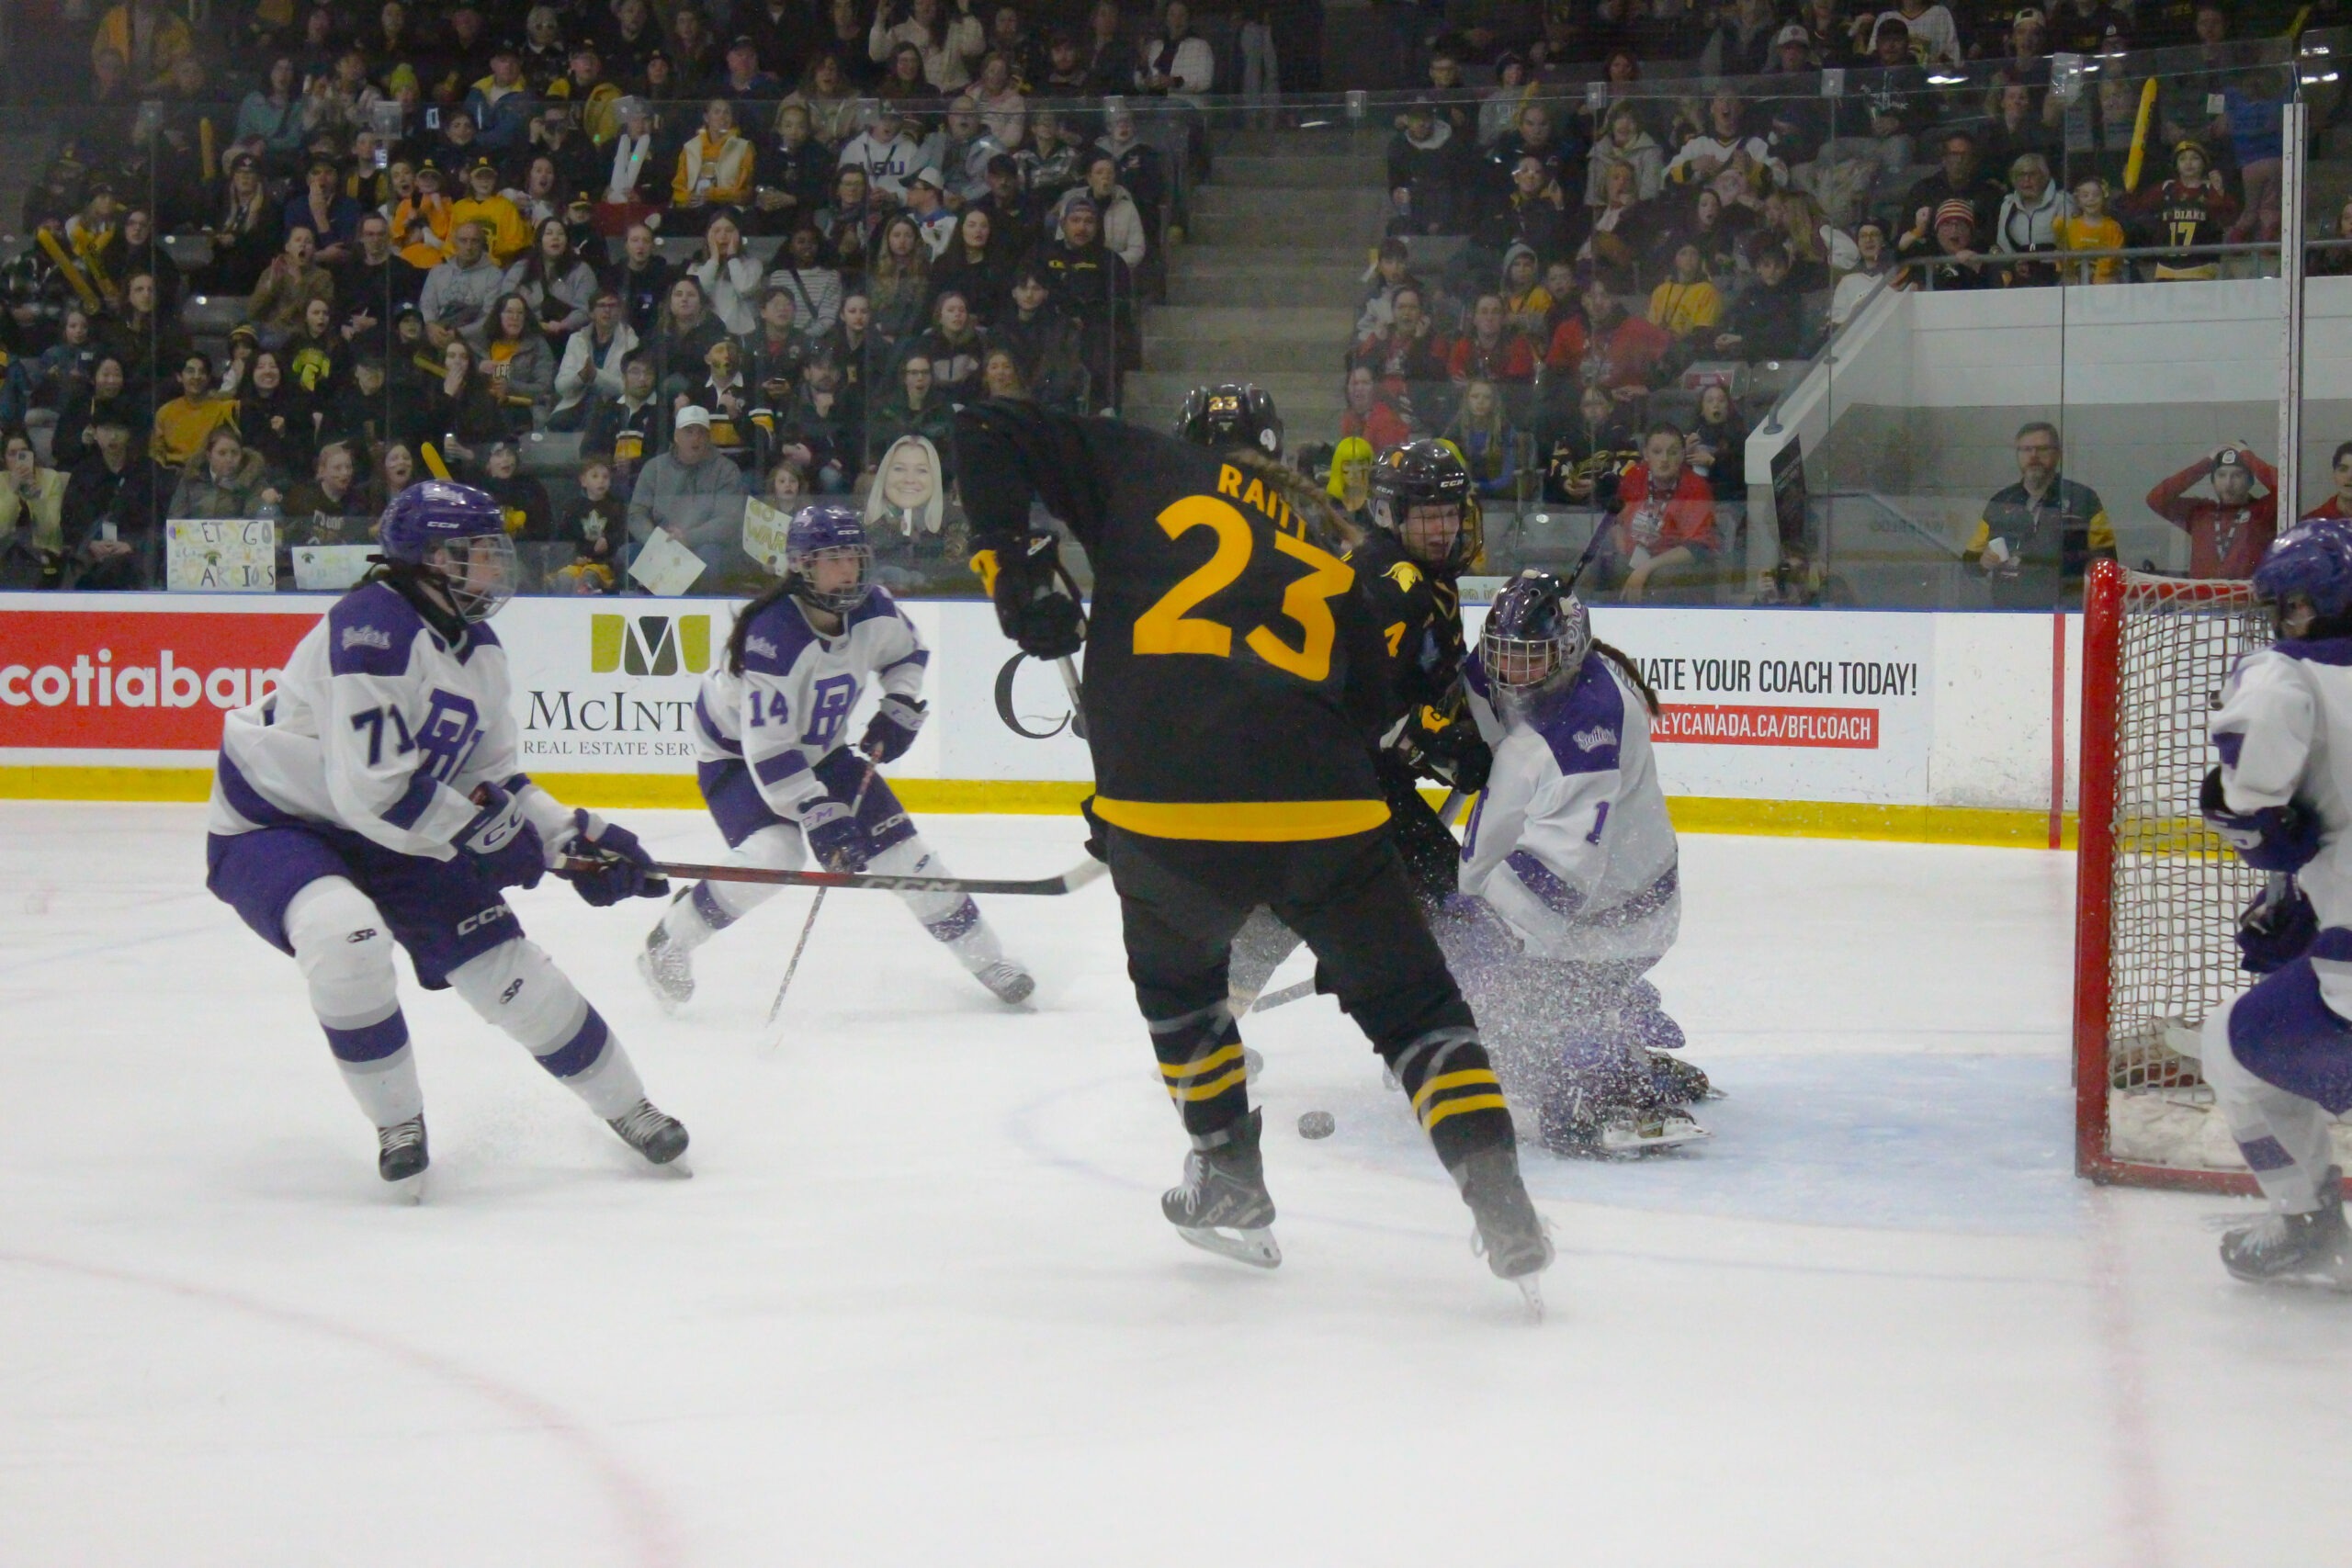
1167	628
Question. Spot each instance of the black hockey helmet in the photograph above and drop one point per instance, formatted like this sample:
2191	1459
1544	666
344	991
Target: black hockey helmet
1230	414
1536	636
1425	473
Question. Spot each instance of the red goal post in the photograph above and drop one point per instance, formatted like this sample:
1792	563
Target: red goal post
2156	895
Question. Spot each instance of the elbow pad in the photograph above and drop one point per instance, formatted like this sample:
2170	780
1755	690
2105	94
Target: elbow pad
2276	837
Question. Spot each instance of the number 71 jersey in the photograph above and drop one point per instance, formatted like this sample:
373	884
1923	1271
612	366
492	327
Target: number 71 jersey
1235	680
791	705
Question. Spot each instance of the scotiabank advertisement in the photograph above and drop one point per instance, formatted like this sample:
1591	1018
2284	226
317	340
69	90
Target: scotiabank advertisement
1770	705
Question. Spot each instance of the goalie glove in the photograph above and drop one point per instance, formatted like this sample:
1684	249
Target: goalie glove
1452	751
1034	604
2276	928
2276	837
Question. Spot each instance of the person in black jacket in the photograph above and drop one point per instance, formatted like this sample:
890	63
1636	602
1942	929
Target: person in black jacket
1427	170
112	505
1233	689
1767	320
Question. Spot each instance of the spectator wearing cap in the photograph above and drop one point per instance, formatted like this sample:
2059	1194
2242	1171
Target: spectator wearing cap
714	171
2038	536
2229	534
421	221
2191	209
1123	226
1956	178
459	292
111	511
2028	59
504	230
500	103
1933	36
1426	168
1894	97
2088	26
1942	249
1093	284
743	81
320	207
927	205
1013	211
693	494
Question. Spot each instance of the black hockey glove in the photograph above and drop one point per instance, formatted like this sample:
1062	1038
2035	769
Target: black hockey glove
1034	603
2276	837
510	848
2273	931
616	866
836	837
1450	753
892	728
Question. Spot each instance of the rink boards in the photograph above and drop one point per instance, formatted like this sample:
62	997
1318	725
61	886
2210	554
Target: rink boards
1903	724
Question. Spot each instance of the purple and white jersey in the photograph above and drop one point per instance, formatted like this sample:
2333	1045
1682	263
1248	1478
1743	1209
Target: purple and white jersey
2286	712
1570	843
379	726
791	705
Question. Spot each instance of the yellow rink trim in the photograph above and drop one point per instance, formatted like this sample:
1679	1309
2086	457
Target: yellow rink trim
1691	814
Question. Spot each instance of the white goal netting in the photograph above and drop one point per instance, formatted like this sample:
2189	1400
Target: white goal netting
2174	889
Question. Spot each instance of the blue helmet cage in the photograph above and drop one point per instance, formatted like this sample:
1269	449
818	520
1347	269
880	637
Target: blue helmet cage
456	535
1536	636
824	528
2311	561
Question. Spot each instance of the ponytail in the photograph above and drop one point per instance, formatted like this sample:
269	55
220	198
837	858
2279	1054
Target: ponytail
751	612
1625	668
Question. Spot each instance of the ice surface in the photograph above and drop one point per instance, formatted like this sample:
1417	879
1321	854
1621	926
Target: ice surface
918	1306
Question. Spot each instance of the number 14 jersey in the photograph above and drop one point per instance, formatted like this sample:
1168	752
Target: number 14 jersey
791	704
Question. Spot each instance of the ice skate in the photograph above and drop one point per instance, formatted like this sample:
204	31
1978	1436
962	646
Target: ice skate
1679	1082
2314	1248
1011	984
1511	1235
659	1137
1224	1206
401	1157
667	969
1583	1126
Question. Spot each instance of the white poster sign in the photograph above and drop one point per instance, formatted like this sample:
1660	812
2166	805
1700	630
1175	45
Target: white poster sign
220	555
666	567
330	568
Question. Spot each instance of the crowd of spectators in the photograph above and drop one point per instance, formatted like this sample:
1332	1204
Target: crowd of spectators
818	225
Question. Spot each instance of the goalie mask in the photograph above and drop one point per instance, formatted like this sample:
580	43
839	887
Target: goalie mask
1536	636
827	561
1233	414
1421	494
455	536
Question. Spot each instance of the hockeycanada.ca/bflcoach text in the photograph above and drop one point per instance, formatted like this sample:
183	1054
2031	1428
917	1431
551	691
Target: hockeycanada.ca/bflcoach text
1805	677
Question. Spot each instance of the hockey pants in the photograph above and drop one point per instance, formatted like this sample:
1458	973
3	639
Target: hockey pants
2279	1061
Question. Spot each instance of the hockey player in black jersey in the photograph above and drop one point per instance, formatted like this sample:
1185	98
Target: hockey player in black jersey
1234	686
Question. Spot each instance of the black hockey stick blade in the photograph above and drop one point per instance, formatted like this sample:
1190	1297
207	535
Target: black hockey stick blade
1069	881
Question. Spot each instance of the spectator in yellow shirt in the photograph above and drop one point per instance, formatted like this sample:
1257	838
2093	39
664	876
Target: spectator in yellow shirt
714	169
148	37
1688	300
2091	229
502	221
182	425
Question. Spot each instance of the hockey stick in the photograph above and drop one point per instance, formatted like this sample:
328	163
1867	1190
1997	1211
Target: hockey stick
1069	881
1288	994
815	905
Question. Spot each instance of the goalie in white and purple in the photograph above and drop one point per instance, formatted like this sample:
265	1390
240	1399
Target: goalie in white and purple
777	771
375	799
1570	887
2280	1056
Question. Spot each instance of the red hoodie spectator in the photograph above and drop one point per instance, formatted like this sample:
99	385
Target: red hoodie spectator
1606	345
1370	415
2228	535
1491	351
1665	533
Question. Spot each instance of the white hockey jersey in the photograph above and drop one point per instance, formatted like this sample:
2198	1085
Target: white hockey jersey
2282	709
382	726
1570	843
791	705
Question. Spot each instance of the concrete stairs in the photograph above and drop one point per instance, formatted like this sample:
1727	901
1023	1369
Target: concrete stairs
1264	287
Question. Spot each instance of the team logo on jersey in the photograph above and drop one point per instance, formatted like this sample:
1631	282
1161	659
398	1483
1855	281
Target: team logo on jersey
451	730
648	645
828	704
1593	740
1405	575
366	637
760	646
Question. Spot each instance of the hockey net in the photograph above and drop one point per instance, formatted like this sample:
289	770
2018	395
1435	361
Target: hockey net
2157	894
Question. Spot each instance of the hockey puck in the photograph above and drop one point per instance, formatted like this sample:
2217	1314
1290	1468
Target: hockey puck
1317	1125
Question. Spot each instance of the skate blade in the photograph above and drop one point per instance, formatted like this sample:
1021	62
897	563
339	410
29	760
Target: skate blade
669	1004
1255	1248
1531	1292
678	1169
407	1192
1616	1144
